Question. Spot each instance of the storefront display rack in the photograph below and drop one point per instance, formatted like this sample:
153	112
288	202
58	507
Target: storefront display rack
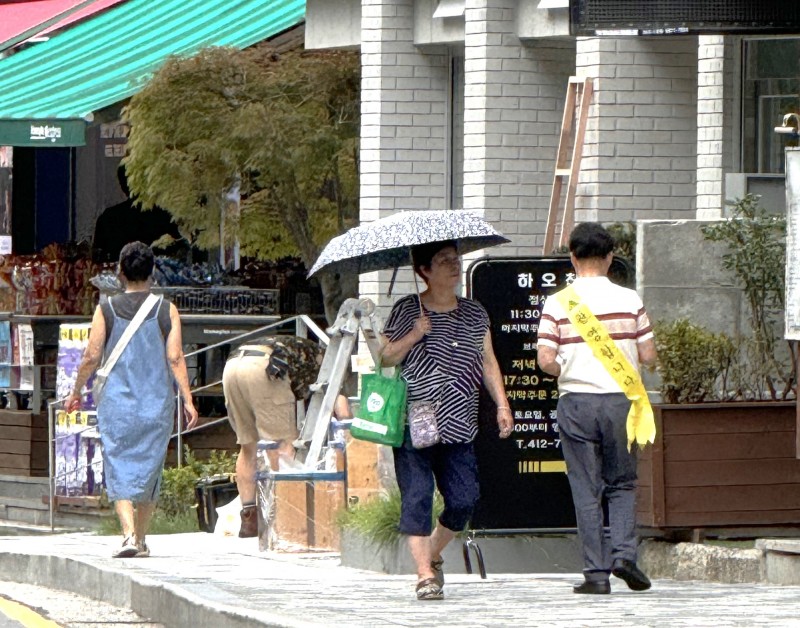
236	300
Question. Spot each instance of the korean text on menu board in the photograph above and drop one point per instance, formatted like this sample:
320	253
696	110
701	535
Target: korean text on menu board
514	302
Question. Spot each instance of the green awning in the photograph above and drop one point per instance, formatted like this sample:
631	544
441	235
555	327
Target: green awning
49	90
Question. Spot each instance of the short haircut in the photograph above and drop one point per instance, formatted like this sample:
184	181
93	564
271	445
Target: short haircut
136	261
422	254
590	239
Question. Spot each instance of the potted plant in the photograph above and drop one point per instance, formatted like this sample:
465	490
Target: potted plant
725	452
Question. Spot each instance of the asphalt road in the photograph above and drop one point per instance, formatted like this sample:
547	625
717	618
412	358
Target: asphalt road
47	608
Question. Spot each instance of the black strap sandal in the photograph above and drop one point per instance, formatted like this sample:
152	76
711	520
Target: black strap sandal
438	572
429	589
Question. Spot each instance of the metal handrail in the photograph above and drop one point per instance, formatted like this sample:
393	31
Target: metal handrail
303	324
300	318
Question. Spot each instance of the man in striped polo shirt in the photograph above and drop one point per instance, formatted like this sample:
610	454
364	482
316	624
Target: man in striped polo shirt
593	409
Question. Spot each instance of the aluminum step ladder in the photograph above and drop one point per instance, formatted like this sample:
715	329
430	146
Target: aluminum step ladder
315	435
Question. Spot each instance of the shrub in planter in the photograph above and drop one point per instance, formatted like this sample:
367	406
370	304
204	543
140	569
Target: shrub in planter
695	364
728	464
377	519
756	256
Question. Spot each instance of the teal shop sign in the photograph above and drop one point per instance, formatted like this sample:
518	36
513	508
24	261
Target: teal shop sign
42	133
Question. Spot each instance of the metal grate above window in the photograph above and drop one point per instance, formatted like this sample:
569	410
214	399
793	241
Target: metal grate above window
649	17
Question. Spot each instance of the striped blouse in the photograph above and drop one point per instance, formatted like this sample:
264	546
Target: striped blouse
447	364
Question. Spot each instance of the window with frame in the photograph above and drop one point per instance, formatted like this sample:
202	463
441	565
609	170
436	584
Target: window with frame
455	146
770	89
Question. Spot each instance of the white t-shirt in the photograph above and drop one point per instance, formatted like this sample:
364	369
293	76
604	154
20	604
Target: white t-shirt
623	314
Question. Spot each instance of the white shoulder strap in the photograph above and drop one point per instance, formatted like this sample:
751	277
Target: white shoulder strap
135	323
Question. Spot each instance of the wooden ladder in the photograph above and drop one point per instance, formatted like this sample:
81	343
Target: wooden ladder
568	165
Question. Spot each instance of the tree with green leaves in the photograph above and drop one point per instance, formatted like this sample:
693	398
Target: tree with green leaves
280	130
756	256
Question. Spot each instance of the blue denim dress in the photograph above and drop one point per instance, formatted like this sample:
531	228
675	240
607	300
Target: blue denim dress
136	413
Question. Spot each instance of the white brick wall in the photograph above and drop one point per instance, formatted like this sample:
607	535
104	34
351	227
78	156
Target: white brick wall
403	101
655	142
514	98
710	122
639	155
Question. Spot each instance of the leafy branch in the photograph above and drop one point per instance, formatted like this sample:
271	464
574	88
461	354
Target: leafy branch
756	255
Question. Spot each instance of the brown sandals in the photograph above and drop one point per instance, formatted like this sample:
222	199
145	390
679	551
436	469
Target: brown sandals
429	589
438	572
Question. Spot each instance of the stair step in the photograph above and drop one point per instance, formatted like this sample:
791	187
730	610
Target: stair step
23	487
781	560
37	512
22	502
23	479
73	521
82	521
14	528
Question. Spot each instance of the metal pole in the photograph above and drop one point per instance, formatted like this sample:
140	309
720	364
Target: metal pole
50	448
180	432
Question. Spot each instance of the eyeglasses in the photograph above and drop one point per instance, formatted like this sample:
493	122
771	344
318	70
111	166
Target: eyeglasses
450	260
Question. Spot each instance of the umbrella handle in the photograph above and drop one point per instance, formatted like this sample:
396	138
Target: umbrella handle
416	283
391	283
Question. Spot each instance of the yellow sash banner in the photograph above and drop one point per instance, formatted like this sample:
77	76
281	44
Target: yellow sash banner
641	423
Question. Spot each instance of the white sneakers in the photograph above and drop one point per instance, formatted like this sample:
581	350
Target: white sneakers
142	551
130	548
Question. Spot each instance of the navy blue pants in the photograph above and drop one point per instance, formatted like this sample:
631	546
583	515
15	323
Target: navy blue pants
454	469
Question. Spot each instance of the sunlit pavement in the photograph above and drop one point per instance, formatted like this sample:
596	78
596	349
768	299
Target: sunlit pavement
206	580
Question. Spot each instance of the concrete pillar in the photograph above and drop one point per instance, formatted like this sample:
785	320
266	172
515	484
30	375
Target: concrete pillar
710	125
403	98
514	99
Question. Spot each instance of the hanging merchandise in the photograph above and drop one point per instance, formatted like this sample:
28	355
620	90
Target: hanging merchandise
56	282
78	459
23	355
6	354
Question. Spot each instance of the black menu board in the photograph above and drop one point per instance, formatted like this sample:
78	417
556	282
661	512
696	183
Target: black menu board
523	478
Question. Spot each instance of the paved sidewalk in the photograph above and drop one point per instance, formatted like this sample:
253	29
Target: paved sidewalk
204	580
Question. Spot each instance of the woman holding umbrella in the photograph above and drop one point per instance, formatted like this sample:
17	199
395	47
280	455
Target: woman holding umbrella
444	346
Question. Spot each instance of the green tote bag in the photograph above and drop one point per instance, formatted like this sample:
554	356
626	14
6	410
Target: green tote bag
382	412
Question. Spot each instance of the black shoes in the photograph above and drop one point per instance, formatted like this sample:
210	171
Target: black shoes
593	587
623	569
631	574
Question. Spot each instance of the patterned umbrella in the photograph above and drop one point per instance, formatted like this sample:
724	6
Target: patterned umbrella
385	243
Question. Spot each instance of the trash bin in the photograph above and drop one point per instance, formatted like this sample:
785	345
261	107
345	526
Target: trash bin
212	493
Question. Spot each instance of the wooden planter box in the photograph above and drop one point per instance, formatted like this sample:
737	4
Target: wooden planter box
721	465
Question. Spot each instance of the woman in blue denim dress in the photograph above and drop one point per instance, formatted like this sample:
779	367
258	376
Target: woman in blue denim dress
135	415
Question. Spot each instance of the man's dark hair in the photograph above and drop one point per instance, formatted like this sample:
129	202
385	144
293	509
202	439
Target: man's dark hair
590	239
136	261
422	254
